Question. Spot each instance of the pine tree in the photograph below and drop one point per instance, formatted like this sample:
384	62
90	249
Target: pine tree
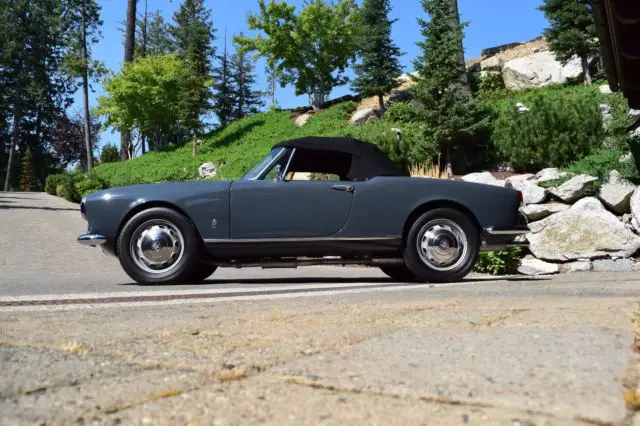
445	108
572	32
126	145
246	101
194	35
33	88
223	101
82	28
379	67
154	35
27	177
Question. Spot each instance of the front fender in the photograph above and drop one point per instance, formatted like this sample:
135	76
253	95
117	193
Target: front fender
206	204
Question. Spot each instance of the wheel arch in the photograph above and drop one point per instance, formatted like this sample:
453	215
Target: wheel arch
149	205
435	204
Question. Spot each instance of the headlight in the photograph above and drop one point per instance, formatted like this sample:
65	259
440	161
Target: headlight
83	209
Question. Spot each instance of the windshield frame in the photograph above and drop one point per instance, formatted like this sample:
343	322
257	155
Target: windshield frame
265	164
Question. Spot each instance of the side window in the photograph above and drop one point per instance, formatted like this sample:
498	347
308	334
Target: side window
275	173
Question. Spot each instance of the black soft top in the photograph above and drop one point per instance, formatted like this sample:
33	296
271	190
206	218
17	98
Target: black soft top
349	158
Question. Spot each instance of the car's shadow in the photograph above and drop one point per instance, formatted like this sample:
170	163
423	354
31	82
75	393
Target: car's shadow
329	280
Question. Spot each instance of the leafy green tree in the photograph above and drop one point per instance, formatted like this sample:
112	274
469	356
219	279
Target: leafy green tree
311	49
445	108
246	100
109	154
223	89
379	66
572	31
82	28
145	96
194	35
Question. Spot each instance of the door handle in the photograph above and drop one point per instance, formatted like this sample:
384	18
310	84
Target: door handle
347	188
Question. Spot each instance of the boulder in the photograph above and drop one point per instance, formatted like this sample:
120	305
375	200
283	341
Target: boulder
616	193
577	266
535	212
538	69
613	265
607	116
531	193
573	189
208	170
364	115
634	204
546	175
493	63
302	119
510	181
605	89
532	266
483	177
584	231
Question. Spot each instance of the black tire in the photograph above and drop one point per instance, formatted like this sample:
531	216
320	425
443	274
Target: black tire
181	228
201	272
453	229
399	273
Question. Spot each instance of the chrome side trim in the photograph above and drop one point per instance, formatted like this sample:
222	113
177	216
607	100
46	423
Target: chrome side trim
515	231
92	240
294	240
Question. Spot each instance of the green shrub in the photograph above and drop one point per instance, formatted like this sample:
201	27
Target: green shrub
401	112
86	184
503	262
109	154
562	125
67	190
52	182
600	163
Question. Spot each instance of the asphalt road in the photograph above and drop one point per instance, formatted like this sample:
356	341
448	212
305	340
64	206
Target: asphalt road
80	343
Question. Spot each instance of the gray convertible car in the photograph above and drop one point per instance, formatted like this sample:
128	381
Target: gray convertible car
309	201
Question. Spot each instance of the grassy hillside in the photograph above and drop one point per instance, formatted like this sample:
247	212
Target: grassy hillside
239	146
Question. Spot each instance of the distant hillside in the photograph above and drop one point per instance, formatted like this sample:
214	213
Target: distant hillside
234	149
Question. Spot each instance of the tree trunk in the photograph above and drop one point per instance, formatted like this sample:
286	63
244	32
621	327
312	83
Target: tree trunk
448	161
15	135
85	87
585	69
129	44
381	103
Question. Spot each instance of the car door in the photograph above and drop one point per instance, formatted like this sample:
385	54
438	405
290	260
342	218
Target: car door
289	209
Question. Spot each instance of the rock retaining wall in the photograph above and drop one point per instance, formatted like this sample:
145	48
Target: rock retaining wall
579	225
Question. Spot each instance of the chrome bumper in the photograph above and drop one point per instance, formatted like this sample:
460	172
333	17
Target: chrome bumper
92	240
498	239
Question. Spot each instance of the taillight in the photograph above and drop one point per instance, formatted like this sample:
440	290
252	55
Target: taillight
520	198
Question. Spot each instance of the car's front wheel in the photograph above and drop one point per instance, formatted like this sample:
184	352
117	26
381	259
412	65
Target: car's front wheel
442	246
159	246
398	273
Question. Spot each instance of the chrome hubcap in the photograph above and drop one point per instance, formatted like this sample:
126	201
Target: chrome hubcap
157	246
442	244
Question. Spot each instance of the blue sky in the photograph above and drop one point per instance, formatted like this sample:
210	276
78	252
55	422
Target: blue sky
490	23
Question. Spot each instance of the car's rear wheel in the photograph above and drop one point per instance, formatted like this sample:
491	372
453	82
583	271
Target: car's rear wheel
201	272
398	273
442	246
159	246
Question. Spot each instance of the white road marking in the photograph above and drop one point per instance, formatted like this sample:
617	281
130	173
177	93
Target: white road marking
331	290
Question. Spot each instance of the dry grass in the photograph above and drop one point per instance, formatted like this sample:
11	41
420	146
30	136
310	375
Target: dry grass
232	375
75	348
433	171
